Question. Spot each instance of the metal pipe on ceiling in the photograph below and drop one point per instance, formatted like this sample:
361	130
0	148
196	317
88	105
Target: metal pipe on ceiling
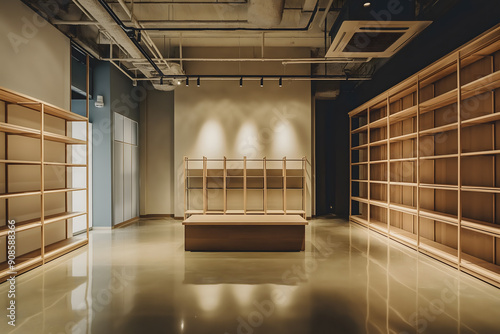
259	77
285	61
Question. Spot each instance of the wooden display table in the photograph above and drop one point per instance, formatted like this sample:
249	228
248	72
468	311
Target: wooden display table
244	233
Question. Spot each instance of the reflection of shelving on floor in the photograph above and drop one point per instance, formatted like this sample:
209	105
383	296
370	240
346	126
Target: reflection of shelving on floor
425	160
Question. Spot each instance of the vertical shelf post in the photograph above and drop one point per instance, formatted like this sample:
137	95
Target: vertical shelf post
184	161
284	185
304	186
205	192
459	162
264	195
245	185
42	182
224	180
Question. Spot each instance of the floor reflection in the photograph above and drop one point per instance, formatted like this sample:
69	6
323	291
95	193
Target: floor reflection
349	280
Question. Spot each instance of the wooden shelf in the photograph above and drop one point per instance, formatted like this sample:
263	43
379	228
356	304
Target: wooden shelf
378	181
404	184
440	101
441	251
235	212
251	182
485	269
439	216
481	119
62	247
379	226
360	147
65	164
62	216
360	129
482	85
59	154
403	159
439	129
359	220
359	199
403	208
442	156
403	137
34	104
477	153
22	226
379	142
62	190
373	162
494	190
379	123
19	162
481	227
20	194
33	133
295	212
275	212
23	263
403	114
403	236
438	186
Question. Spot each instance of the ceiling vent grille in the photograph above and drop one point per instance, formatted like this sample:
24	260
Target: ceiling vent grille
373	39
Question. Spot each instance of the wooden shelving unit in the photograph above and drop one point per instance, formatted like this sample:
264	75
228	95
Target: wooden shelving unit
36	185
245	186
425	160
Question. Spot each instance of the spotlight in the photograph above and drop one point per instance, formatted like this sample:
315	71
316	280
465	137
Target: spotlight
262	82
241	82
187	81
178	82
161	81
198	81
280	83
367	4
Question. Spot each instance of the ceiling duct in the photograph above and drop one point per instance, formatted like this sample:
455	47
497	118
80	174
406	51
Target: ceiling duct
265	13
172	69
377	30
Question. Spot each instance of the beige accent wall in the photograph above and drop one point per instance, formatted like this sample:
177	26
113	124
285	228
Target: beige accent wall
221	119
34	56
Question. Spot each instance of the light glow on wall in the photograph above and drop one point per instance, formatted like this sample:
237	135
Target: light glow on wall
211	141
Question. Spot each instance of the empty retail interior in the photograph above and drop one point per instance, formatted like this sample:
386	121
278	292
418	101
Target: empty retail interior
121	129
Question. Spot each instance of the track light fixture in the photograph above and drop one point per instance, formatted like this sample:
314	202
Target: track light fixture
198	81
280	82
241	82
161	81
262	82
187	81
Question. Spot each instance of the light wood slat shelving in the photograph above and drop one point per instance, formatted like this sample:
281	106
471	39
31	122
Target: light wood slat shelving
425	160
245	186
36	180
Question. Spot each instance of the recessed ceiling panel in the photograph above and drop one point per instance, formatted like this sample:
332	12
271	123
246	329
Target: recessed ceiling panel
376	39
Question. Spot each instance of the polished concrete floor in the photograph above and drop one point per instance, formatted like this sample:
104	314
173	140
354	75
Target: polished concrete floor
139	279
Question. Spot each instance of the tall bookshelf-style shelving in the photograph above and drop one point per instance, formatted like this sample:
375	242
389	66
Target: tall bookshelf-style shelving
245	186
41	148
425	160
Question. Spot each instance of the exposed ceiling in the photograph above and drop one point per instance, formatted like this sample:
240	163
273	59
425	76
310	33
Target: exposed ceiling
146	39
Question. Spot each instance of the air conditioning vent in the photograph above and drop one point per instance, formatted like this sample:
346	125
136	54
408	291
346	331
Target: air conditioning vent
373	39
